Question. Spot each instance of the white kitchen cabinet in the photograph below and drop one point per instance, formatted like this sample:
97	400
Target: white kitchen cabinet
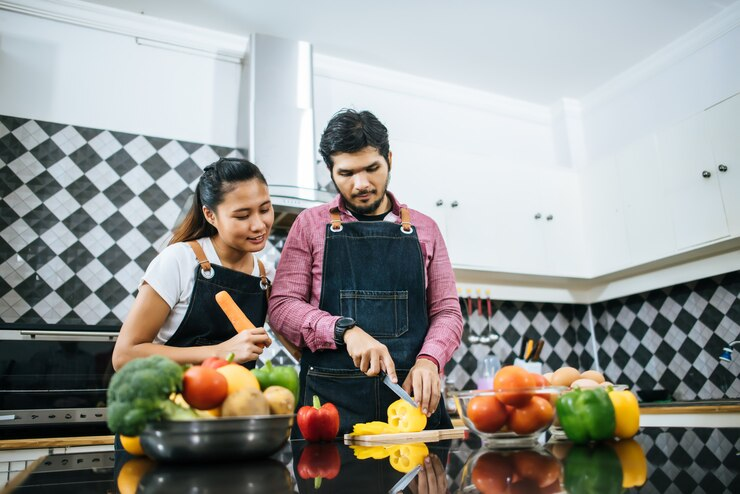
495	218
693	190
722	124
641	187
604	224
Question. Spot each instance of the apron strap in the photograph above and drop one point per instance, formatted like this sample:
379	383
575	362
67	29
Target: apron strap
265	283
336	222
205	264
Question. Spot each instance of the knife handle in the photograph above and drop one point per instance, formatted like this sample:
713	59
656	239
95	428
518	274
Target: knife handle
536	355
528	351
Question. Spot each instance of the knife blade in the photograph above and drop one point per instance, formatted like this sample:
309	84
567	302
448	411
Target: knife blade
397	389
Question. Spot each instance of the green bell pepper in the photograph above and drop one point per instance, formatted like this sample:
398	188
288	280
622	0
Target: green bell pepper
592	470
278	375
586	415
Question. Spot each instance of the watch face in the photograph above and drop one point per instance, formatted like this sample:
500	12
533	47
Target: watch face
345	322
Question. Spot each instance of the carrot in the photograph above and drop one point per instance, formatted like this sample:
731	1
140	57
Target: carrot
238	318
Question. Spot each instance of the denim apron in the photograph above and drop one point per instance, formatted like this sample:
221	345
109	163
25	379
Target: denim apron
374	273
204	322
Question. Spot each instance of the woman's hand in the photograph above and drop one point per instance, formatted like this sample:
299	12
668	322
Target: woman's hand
246	345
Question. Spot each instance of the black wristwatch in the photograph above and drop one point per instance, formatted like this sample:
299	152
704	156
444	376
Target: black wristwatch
341	327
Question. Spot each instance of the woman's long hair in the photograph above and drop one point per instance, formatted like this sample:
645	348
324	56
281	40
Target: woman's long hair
217	180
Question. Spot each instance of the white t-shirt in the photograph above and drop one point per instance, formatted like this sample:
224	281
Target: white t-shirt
172	275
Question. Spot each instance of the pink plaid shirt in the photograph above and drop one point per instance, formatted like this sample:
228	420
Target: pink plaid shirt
294	301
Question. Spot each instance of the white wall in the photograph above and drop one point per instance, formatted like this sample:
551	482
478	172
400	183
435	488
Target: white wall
690	85
69	74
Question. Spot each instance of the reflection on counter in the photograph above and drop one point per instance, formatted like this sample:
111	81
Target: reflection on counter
658	460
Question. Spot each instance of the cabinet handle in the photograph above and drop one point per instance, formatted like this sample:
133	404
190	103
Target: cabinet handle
537	216
440	202
549	217
706	174
722	168
454	204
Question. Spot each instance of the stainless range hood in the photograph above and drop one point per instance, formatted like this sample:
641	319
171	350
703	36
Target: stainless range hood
276	123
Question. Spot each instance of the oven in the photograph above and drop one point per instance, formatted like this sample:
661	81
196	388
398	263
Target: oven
53	379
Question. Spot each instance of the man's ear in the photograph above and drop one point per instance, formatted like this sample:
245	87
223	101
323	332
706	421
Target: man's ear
390	159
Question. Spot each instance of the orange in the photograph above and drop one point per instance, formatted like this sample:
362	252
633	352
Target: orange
238	377
132	445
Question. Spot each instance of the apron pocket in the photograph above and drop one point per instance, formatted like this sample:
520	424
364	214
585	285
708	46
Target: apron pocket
380	313
352	392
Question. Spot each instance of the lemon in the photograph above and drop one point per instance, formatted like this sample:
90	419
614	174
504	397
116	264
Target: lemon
131	473
132	445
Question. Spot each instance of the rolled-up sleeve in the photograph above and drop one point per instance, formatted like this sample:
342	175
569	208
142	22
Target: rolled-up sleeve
445	317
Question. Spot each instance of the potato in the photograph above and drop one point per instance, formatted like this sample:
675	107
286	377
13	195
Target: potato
248	401
593	375
564	376
584	384
280	399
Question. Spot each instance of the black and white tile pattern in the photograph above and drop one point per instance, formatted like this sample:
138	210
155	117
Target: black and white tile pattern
83	211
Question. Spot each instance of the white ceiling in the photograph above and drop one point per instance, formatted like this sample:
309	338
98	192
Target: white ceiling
533	50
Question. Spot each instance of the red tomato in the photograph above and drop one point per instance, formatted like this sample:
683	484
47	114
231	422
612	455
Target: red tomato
543	469
513	378
204	388
487	413
533	416
492	473
524	486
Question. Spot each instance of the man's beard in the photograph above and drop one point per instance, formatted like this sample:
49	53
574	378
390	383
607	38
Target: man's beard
370	208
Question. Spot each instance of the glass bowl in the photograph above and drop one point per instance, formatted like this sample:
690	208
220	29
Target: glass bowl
527	413
512	470
223	438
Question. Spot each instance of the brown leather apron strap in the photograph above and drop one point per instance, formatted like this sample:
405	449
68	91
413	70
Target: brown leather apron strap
336	222
264	283
405	220
200	255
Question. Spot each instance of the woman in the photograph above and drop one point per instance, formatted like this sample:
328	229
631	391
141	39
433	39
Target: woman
175	313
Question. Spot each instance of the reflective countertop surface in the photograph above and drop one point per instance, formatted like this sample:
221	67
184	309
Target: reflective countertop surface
661	460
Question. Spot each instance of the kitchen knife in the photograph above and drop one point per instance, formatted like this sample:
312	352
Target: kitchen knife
537	350
397	389
528	351
405	480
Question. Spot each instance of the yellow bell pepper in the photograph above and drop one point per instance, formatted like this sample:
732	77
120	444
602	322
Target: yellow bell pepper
374	427
626	413
374	452
633	461
405	457
406	417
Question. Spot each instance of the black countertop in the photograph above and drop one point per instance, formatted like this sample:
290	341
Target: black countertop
661	460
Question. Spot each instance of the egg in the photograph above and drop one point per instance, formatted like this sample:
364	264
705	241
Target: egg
564	376
593	375
548	377
584	384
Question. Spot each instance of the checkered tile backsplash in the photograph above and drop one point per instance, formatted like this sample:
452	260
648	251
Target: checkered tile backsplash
83	212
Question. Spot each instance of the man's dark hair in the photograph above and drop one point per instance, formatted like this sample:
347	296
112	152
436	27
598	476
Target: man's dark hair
350	131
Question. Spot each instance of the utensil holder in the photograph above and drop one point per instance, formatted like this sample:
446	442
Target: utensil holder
529	366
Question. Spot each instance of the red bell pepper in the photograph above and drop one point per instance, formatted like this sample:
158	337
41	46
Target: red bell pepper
319	461
319	422
216	362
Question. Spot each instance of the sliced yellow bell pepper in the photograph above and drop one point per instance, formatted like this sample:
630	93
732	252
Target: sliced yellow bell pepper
375	427
406	417
626	413
404	457
374	452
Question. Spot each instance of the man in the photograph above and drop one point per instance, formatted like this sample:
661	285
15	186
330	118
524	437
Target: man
364	285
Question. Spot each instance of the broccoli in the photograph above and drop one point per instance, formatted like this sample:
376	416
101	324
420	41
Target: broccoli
139	393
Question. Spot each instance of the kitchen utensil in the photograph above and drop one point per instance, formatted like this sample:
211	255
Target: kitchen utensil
405	480
407	437
397	389
528	349
472	336
490	337
537	350
523	347
223	438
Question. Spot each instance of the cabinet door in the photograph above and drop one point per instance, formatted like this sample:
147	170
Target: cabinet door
694	201
722	124
648	221
604	232
559	196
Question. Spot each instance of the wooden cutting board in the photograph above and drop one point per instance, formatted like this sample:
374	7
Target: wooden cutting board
407	437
